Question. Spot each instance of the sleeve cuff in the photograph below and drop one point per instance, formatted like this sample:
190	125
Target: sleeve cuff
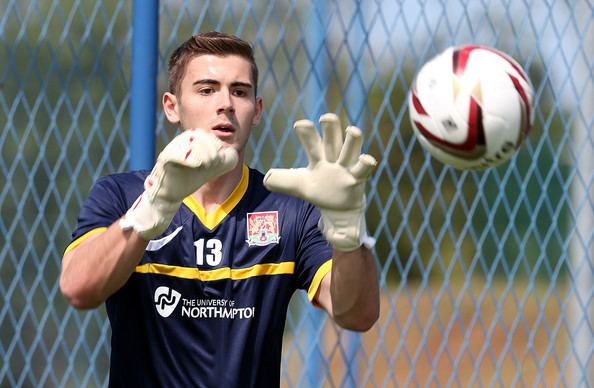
82	238
317	279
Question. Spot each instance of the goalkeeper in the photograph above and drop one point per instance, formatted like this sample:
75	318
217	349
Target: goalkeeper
197	259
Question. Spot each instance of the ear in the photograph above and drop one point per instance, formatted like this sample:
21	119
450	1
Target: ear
170	107
258	115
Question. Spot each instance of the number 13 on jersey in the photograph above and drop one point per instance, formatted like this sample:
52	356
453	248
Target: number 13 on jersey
209	251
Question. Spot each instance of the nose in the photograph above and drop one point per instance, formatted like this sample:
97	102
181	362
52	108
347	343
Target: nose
225	103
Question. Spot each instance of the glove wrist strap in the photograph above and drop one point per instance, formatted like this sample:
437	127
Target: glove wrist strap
149	218
346	231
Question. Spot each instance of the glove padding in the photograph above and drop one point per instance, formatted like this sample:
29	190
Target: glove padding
191	159
334	180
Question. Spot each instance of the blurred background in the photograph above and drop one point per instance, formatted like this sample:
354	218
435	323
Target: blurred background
486	276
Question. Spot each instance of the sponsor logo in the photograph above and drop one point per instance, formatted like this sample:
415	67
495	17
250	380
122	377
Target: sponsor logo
166	300
215	308
262	228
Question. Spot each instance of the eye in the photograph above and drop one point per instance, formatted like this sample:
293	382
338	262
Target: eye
240	92
206	91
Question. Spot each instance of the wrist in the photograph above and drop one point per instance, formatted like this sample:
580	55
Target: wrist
345	231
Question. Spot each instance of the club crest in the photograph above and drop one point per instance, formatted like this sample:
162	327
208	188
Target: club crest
262	228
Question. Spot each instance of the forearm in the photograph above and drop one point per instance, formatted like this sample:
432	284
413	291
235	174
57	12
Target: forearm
354	289
98	267
334	181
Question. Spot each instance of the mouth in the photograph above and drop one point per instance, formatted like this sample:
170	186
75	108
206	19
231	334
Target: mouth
224	129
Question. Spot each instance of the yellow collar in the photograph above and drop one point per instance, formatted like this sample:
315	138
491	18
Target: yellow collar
212	219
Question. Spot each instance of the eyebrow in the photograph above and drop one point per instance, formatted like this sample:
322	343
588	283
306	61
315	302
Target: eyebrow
209	81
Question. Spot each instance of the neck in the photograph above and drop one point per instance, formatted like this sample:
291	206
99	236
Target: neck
215	192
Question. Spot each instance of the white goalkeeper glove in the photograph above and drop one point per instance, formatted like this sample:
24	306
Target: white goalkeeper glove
191	159
334	180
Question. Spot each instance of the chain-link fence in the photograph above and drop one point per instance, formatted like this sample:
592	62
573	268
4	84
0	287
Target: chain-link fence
486	277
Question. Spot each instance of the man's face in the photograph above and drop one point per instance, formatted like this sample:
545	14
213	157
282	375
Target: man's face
216	94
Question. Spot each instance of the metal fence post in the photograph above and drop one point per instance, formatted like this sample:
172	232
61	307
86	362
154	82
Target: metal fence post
314	105
143	94
355	104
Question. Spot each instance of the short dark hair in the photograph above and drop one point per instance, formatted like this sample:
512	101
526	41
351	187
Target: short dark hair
215	43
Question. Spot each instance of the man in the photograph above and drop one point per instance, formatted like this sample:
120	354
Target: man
197	260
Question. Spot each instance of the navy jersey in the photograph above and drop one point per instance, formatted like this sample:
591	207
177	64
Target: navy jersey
206	305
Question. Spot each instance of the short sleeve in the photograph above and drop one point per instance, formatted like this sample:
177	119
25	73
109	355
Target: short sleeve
108	200
314	253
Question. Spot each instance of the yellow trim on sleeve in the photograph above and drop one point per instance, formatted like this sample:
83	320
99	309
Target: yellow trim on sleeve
212	219
315	283
285	268
82	238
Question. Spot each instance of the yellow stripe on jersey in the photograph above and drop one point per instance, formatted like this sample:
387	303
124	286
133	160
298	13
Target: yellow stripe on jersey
315	283
285	268
212	219
82	238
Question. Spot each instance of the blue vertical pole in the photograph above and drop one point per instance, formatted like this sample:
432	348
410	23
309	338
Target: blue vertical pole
143	94
314	106
315	41
355	104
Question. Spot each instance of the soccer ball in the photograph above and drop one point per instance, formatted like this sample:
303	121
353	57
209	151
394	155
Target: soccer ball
471	107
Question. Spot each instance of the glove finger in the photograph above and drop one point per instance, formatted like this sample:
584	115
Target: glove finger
332	136
310	140
364	166
287	181
176	149
351	149
190	148
227	159
203	148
